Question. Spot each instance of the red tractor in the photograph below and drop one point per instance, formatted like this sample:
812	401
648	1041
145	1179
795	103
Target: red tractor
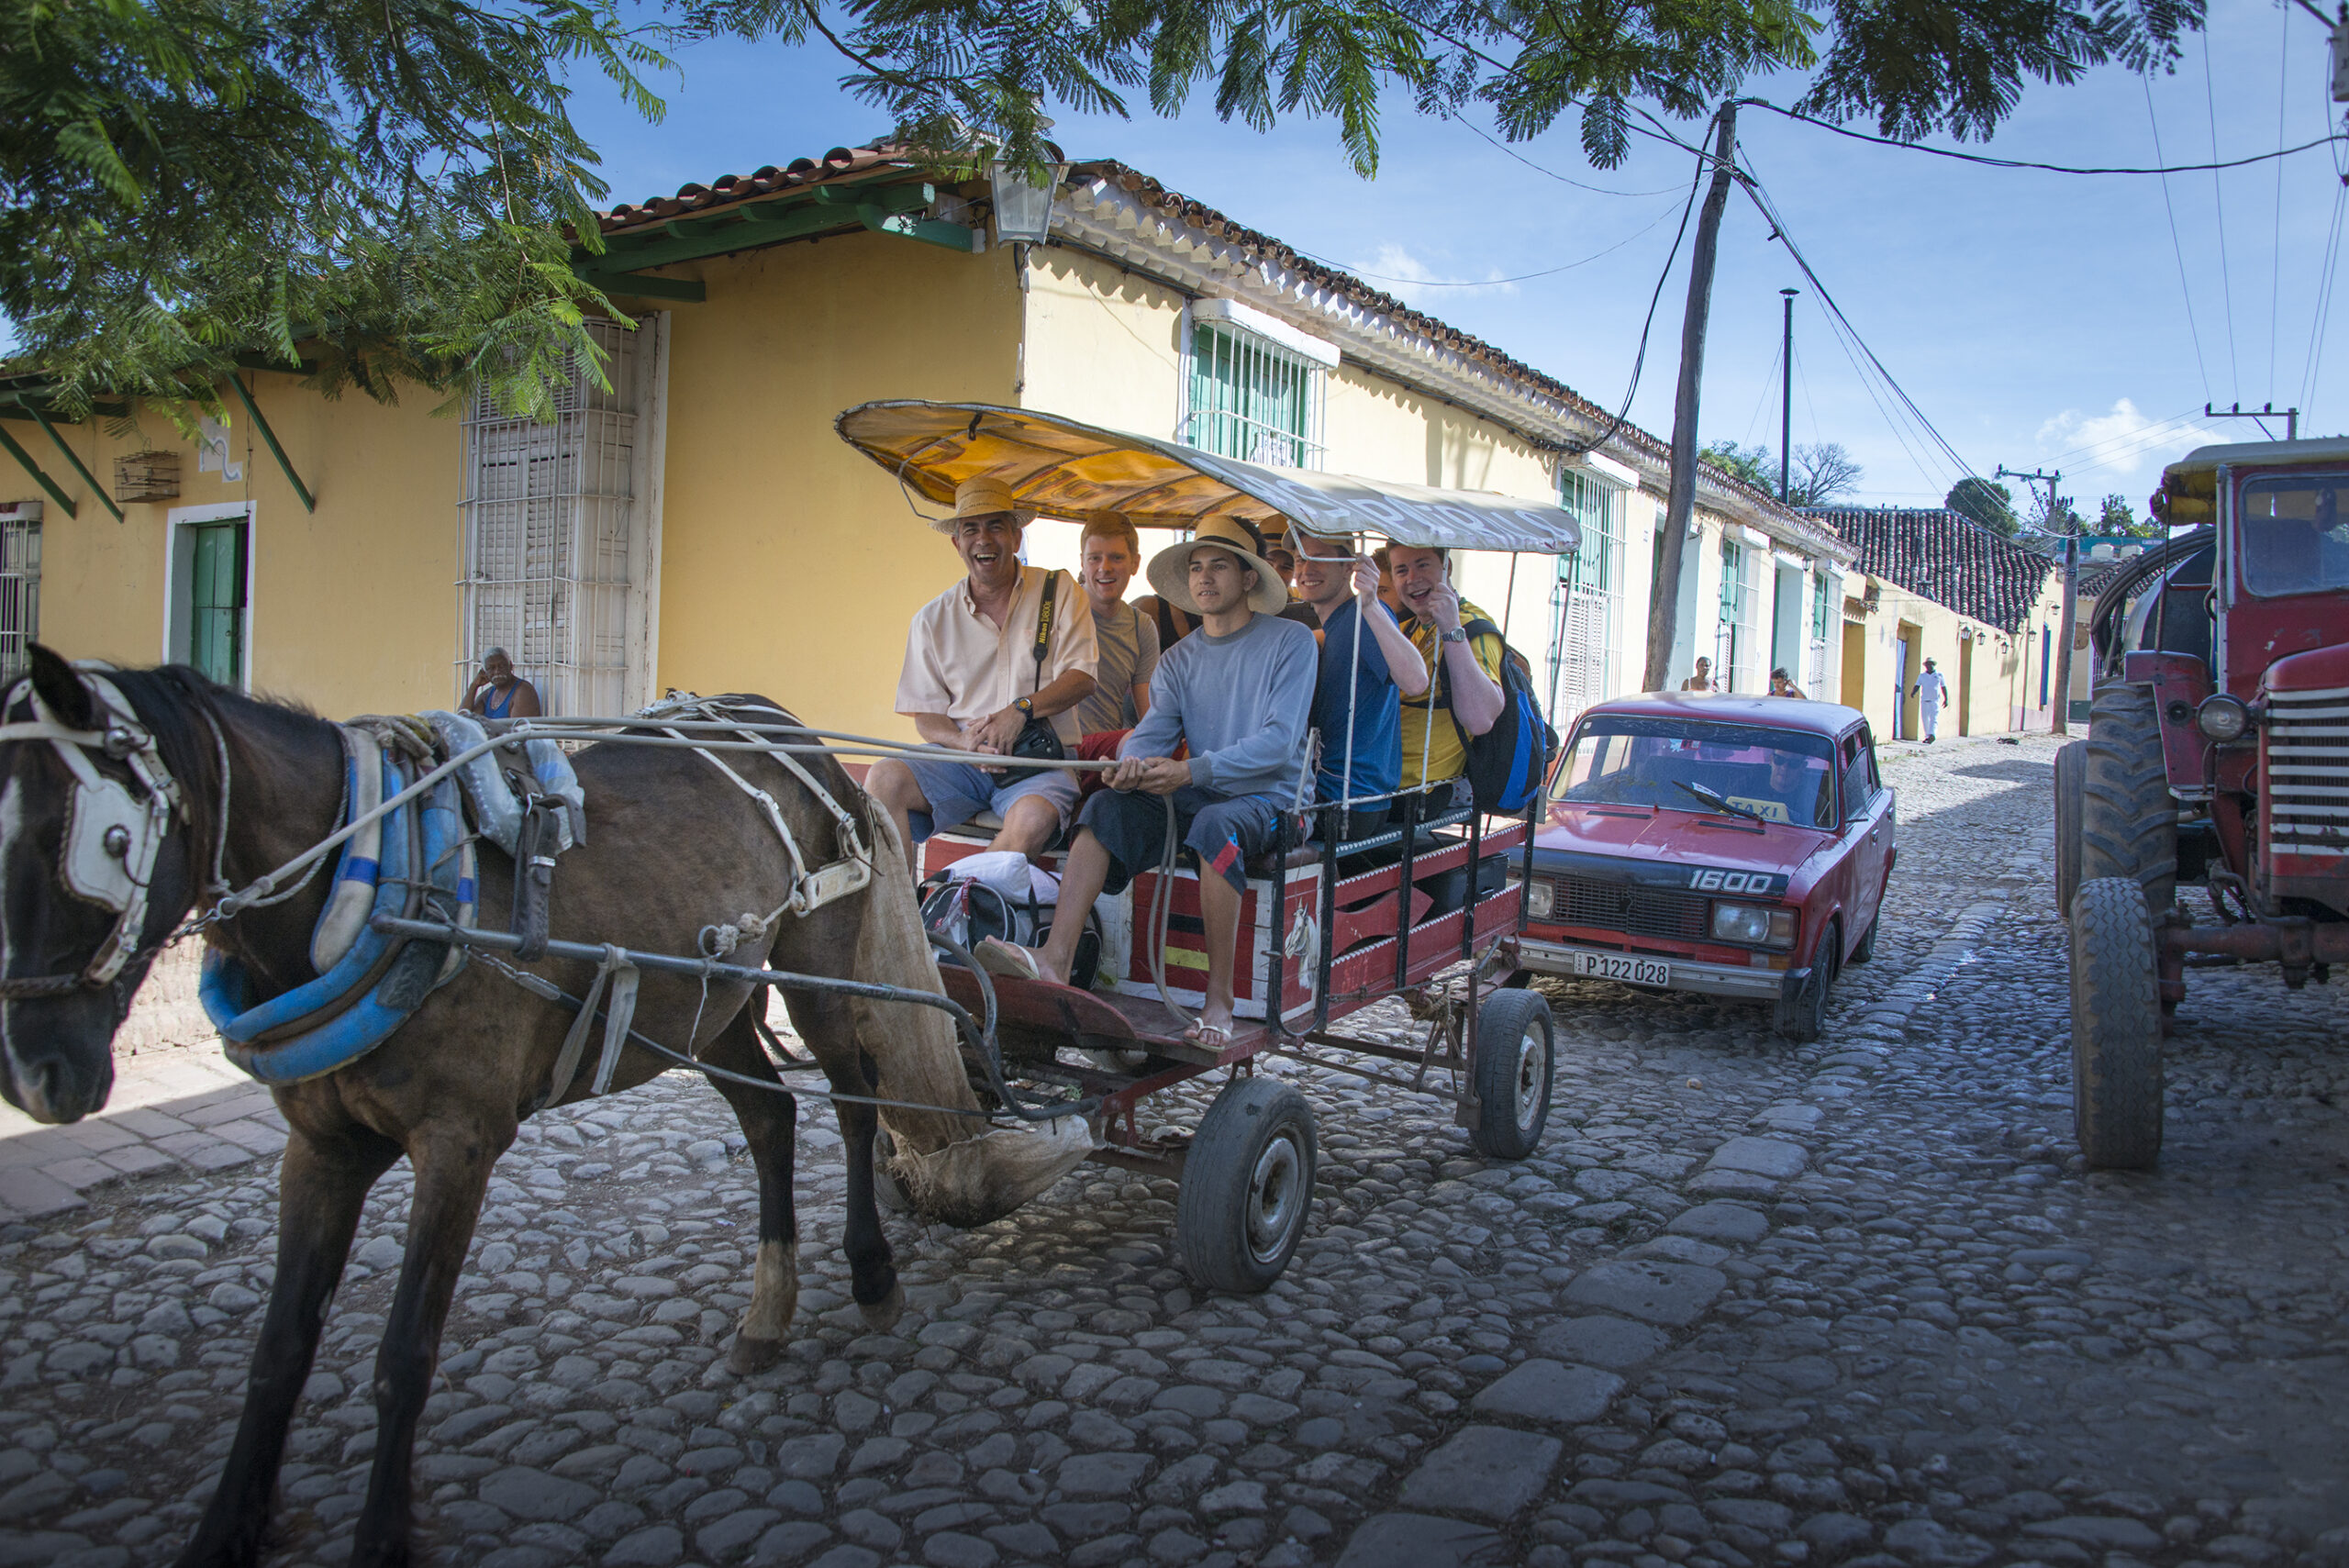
2218	757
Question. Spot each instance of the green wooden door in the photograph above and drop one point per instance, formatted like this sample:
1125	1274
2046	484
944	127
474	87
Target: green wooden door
217	601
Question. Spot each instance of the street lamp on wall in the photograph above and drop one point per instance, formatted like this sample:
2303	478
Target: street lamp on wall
1023	205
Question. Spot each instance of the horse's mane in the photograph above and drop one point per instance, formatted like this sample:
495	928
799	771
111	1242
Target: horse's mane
174	702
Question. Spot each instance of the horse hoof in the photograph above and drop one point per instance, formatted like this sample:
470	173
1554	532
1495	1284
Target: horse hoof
881	1316
750	1355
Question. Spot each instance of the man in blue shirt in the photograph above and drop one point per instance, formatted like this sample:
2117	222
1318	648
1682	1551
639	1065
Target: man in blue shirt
1360	720
1239	692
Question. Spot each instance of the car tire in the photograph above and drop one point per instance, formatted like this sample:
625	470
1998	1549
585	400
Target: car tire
2128	821
2116	1027
1515	1067
1799	1020
1865	948
2070	772
1247	1186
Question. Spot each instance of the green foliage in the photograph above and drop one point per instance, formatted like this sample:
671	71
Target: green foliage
2118	518
1990	503
1820	473
183	182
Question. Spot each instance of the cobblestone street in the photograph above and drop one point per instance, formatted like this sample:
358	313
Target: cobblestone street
1751	1304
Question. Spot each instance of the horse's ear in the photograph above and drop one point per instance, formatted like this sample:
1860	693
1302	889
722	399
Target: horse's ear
60	687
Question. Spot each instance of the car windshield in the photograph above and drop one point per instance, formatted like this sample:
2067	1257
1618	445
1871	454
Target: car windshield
2293	537
1777	775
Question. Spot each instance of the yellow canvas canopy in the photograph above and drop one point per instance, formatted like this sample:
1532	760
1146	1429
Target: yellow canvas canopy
1062	469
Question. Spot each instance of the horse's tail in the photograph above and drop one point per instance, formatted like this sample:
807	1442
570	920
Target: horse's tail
954	1168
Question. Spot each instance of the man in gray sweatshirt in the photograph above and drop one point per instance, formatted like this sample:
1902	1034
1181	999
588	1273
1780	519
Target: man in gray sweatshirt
1240	692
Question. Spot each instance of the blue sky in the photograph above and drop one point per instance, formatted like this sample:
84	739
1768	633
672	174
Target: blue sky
2036	320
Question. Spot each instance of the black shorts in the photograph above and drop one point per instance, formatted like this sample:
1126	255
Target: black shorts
1225	832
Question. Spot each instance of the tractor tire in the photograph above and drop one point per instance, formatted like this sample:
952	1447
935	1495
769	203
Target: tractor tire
2128	821
2071	768
2116	1027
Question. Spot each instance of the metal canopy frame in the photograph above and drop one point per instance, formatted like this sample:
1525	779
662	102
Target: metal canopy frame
887	206
1063	469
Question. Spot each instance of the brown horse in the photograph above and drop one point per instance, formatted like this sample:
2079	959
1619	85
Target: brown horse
672	848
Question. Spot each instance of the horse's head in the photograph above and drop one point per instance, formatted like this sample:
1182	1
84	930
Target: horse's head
95	871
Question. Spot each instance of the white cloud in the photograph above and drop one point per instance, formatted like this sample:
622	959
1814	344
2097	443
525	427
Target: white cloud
1393	263
2119	442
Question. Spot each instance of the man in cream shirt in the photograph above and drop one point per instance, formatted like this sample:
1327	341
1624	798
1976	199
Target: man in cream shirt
971	681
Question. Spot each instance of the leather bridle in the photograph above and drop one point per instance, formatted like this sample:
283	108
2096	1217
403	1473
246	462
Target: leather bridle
113	837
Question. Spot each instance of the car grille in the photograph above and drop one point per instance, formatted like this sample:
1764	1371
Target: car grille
2306	744
1636	911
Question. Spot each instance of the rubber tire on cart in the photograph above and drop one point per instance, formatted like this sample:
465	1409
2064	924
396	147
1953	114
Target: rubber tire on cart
2116	1027
2071	774
2128	822
1800	1019
1516	1063
1247	1186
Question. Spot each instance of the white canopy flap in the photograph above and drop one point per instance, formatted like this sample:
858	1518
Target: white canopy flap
1063	469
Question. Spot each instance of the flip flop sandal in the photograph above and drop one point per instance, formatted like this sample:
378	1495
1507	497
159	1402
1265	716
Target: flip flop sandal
1210	1037
999	957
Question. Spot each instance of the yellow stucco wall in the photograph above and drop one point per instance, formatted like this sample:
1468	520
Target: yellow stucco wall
350	607
2003	692
790	564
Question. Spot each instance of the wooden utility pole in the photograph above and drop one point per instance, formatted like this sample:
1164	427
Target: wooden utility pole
1680	504
2059	711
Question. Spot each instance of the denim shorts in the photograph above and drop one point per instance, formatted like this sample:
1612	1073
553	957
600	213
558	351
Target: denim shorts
959	791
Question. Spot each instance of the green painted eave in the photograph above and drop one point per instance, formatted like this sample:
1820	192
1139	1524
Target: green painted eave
880	208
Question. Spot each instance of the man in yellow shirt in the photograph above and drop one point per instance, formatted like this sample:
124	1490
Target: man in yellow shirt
1466	670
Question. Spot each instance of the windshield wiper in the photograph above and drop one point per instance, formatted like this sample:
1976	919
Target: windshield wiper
1719	802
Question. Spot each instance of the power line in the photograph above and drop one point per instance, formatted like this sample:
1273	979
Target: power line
1754	191
1553	173
2330	139
2323	302
2193	328
1640	363
2275	251
2112	449
2218	195
1485	282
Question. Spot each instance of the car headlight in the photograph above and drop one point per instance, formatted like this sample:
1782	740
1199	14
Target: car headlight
2222	718
1541	897
1755	924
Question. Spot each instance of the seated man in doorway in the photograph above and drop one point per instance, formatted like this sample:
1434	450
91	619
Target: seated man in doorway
972	682
1465	672
1240	692
1366	663
498	692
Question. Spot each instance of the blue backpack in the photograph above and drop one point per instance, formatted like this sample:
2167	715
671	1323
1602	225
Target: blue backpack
1506	764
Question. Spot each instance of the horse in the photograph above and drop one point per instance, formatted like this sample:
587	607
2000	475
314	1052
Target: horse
672	848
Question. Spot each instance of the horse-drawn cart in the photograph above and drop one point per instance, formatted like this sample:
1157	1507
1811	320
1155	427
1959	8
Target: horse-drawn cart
1329	926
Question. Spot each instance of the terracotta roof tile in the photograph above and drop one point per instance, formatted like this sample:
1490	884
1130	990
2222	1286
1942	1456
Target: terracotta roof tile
1947	557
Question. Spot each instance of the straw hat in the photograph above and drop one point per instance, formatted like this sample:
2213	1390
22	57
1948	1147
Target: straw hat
1170	570
982	496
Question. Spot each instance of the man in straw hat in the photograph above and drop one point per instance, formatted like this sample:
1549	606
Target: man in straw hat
971	681
1240	692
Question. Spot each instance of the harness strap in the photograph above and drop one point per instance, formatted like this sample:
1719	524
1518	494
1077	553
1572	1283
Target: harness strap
619	1015
810	890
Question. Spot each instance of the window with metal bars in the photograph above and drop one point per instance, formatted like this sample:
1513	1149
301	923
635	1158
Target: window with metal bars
1253	399
19	592
1822	621
552	558
1587	607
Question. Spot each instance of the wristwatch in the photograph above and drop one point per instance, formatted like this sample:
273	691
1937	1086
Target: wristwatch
1457	634
1026	705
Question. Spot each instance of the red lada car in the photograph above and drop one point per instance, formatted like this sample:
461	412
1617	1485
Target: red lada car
1733	845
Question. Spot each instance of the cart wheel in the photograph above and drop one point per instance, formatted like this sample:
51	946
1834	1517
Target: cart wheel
1513	1069
2116	1027
1247	1183
886	1192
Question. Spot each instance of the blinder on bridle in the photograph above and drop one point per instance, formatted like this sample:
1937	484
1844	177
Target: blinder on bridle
113	836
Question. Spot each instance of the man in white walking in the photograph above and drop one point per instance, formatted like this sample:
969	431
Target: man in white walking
1931	691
